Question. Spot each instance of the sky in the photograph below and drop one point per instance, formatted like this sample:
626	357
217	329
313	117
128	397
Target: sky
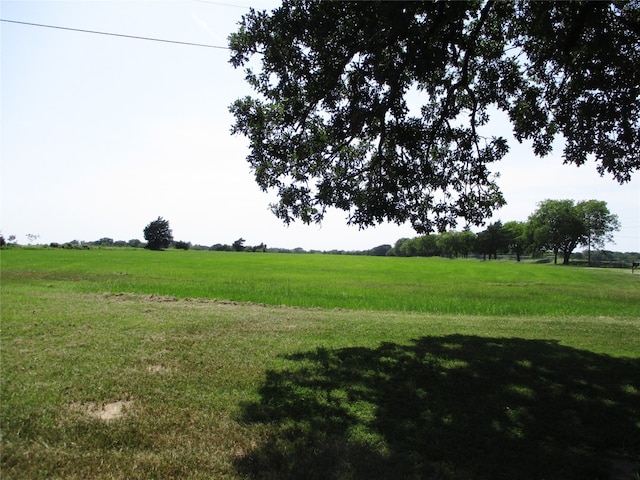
100	135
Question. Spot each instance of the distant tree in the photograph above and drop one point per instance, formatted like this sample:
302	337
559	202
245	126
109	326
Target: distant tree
135	243
395	250
599	224
104	242
32	237
408	248
380	250
466	243
158	234
448	244
3	242
73	244
557	226
238	245
515	236
256	248
457	244
180	245
493	240
426	246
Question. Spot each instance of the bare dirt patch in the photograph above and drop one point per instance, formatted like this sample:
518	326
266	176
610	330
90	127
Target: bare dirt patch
107	411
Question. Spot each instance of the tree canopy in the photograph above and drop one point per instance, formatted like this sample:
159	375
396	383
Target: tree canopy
380	108
158	234
562	225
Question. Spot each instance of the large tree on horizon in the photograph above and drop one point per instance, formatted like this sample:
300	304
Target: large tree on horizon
562	225
599	224
331	123
556	226
158	234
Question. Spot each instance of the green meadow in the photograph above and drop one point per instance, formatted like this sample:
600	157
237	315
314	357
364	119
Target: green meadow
429	285
129	363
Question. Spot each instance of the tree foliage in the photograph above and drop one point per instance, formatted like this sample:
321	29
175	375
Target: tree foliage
182	245
558	226
335	120
158	234
238	245
493	240
599	223
562	225
515	236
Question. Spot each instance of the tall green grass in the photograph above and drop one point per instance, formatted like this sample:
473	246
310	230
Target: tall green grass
327	281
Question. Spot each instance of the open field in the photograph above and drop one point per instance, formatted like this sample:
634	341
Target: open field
137	364
431	285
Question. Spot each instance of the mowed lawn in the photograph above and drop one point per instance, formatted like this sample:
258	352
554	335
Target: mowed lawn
139	364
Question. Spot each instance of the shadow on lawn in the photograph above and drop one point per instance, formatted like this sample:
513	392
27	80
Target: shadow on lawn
455	407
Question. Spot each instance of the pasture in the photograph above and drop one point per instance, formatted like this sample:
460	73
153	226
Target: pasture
199	365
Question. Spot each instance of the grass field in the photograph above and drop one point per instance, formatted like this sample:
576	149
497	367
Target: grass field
431	285
138	364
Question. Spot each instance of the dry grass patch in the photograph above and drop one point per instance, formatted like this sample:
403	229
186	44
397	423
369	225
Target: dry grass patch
157	369
106	411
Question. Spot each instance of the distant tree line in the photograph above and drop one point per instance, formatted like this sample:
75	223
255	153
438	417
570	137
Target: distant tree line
557	226
238	246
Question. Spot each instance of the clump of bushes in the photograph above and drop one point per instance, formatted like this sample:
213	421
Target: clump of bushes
180	245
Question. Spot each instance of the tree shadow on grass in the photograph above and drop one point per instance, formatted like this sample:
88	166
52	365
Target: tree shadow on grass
454	407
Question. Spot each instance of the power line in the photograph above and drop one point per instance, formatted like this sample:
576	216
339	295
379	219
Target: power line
135	37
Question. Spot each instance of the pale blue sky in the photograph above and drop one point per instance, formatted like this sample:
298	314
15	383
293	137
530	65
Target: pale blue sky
100	135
